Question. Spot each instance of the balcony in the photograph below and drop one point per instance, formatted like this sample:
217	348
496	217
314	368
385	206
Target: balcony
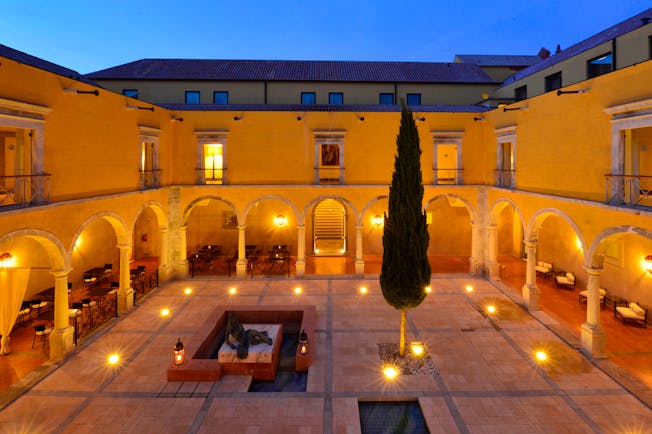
448	176
329	175
628	190
21	191
149	179
211	176
505	178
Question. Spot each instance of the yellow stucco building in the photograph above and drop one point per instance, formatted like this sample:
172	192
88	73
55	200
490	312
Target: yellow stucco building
148	160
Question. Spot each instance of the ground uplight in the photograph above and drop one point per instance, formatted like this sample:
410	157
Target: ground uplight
113	359
390	372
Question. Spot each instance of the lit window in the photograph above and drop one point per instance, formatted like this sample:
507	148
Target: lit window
520	93
192	97
131	93
220	97
213	163
553	81
599	65
336	98
308	98
413	99
386	98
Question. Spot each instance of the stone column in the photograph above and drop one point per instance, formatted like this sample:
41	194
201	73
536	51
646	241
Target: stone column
492	245
301	250
594	340
241	265
475	262
62	336
125	292
164	271
531	292
359	258
181	263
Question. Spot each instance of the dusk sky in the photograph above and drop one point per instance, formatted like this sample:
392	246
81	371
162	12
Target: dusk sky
91	35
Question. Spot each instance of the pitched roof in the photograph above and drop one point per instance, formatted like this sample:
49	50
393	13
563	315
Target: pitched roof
600	38
497	59
354	108
294	70
36	62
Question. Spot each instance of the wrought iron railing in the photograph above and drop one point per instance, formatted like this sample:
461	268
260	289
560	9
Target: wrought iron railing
150	178
505	178
211	176
448	176
24	190
628	190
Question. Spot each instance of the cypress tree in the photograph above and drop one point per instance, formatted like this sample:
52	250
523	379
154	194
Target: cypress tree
405	272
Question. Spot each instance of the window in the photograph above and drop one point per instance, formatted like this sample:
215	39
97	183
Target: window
336	98
520	93
413	99
220	97
553	81
192	97
329	155
386	98
599	65
211	162
447	156
150	174
131	93
308	97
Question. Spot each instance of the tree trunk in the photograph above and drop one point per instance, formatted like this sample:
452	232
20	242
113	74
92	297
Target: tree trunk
401	345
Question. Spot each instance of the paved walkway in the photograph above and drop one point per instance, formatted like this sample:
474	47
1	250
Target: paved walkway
483	379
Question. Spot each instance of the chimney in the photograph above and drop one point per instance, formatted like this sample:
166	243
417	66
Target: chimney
543	53
644	21
558	50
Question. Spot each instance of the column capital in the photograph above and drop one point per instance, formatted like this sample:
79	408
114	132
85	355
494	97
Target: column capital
530	243
301	226
164	229
592	271
242	227
123	246
60	273
359	227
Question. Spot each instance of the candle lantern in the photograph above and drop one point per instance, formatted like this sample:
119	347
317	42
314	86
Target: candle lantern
179	353
303	342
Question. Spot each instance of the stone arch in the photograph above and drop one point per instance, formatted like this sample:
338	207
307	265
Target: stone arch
368	205
269	197
59	258
340	199
595	254
123	234
157	208
199	200
499	205
448	196
537	220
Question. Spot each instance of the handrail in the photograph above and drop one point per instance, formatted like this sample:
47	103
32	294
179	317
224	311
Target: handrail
628	190
24	190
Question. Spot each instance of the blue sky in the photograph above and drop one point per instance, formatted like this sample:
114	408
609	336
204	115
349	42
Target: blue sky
92	35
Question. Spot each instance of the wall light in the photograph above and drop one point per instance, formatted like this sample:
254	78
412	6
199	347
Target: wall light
377	220
82	92
179	353
176	118
299	118
280	220
478	118
237	118
648	264
420	119
567	92
138	107
361	118
6	260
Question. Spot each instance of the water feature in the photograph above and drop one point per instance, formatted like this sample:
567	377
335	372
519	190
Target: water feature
391	417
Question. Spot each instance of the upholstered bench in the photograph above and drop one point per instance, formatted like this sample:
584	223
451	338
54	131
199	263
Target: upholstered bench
584	295
566	280
633	313
543	268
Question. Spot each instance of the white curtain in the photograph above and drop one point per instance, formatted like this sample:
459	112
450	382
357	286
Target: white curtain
13	284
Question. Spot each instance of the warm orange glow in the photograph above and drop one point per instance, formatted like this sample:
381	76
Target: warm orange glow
491	308
213	163
113	359
646	263
165	311
417	348
363	290
280	220
7	260
468	288
233	291
377	220
428	289
187	291
541	356
303	349
297	290
578	243
390	372
78	242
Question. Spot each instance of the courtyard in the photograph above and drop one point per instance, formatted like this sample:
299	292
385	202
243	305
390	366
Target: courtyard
483	374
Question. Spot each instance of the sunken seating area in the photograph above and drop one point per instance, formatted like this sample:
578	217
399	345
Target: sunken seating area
632	313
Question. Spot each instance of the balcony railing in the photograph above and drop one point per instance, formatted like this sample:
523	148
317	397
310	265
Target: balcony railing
24	190
329	175
628	190
448	176
211	176
505	178
150	179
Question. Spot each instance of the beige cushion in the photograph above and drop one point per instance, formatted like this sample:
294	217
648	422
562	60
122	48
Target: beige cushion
585	293
627	313
570	277
547	265
638	310
539	264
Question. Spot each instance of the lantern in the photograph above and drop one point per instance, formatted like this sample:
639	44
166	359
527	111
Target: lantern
179	353
303	343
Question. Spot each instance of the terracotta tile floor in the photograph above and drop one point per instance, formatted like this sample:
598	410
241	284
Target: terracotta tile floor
485	379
